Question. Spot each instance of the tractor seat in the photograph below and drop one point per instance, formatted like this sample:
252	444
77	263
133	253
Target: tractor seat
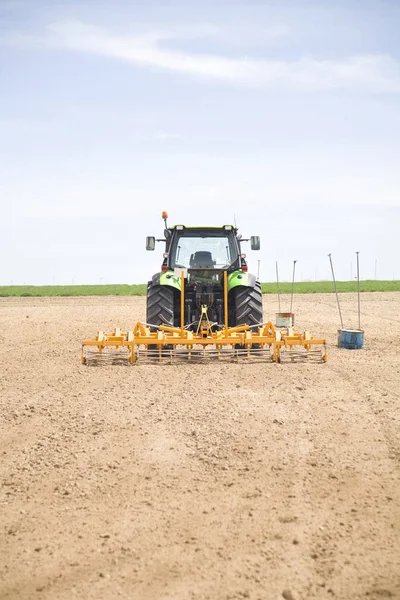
201	260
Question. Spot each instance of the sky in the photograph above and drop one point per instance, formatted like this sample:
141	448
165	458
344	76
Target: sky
283	116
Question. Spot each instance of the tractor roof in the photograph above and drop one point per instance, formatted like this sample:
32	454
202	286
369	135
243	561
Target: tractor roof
195	227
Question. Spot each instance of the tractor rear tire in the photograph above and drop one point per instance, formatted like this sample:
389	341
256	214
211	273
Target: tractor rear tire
160	305
248	305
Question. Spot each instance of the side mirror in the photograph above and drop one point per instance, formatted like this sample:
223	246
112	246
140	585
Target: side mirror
255	242
150	243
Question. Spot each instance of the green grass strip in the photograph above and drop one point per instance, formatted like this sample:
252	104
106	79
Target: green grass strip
324	287
304	287
39	291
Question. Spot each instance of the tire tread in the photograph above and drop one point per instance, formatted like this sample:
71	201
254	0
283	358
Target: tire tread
248	305
160	305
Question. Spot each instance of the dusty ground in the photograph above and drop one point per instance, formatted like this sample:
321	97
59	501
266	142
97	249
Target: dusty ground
220	481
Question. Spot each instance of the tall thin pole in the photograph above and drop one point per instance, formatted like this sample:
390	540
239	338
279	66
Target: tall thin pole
291	299
334	283
277	283
358	290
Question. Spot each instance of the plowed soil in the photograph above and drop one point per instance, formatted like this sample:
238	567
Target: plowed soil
216	481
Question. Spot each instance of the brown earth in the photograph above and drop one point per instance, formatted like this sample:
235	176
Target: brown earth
221	481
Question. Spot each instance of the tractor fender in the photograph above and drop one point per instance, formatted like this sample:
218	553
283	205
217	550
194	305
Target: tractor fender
167	278
238	278
235	279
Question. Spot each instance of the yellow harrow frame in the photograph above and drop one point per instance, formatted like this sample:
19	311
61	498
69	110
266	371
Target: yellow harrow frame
169	344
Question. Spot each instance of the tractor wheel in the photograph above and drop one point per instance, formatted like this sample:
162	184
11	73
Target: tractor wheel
160	305
159	309
248	305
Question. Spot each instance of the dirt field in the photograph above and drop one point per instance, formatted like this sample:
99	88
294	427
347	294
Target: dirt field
220	481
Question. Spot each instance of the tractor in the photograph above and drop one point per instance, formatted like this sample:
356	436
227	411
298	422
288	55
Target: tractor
202	254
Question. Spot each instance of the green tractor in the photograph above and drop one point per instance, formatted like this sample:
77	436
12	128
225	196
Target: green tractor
203	254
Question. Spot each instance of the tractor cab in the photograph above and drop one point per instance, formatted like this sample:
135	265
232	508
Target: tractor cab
202	248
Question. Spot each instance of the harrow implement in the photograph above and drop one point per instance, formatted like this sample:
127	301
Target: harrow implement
203	340
172	344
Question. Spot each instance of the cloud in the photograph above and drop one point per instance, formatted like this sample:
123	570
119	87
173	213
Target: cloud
230	34
154	49
163	135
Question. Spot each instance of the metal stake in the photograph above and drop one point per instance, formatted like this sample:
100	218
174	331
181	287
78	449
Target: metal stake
358	290
277	283
291	299
334	283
